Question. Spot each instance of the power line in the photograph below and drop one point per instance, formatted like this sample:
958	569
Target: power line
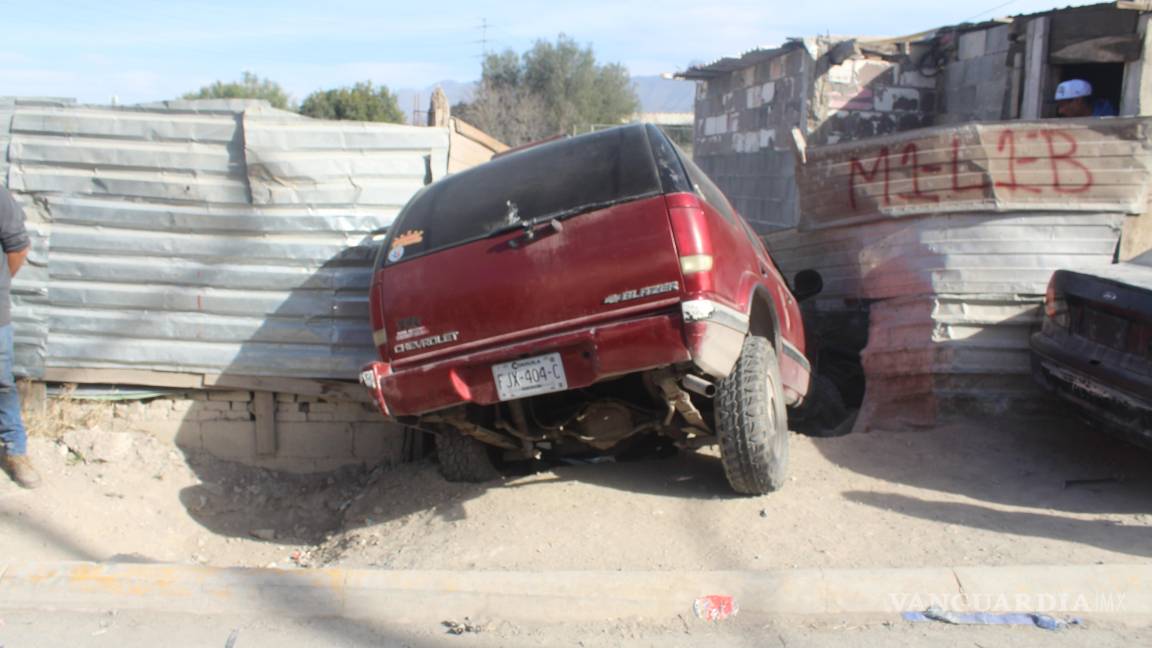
988	11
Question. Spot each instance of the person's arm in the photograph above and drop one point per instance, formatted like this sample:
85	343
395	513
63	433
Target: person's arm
13	237
16	259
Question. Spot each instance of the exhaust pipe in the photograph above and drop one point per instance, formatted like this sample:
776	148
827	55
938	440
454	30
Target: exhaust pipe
698	385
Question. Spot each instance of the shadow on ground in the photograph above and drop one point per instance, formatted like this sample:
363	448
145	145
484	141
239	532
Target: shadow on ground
1060	467
242	501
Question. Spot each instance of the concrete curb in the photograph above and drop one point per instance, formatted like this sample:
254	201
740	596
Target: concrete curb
1113	593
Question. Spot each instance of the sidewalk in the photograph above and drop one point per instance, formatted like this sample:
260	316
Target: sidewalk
1113	594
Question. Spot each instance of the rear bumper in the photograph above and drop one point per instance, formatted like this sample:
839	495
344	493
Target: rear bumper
1094	388
589	356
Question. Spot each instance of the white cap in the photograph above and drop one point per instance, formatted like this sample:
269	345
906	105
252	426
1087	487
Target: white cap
1073	88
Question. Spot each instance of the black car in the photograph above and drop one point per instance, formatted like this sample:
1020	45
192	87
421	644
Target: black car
1095	348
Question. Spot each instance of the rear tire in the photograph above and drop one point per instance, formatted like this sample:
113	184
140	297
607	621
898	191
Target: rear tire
752	422
464	459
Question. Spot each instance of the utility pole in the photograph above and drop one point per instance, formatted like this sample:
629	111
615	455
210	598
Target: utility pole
484	36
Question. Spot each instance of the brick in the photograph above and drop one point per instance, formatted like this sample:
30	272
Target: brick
242	396
233	440
314	440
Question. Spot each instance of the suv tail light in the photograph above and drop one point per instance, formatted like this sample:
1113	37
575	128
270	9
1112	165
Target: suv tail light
1055	306
693	241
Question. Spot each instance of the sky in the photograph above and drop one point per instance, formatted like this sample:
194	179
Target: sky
136	51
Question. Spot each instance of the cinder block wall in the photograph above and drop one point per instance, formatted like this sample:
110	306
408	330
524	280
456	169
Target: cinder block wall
866	97
310	433
977	85
743	135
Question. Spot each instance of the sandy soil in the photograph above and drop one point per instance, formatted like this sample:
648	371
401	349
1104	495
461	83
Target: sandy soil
976	493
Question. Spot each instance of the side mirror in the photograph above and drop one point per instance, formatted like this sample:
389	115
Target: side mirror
807	284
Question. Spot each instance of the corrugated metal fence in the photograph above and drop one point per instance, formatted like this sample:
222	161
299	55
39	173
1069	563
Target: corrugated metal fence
948	236
205	237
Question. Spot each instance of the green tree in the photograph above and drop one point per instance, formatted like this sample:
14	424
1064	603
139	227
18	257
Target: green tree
552	88
249	87
361	102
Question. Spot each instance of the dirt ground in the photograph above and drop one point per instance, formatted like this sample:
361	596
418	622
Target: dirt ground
975	493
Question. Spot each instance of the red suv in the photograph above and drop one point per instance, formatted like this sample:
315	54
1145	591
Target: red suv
578	296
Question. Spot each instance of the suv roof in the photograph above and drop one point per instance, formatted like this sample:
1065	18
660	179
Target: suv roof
555	179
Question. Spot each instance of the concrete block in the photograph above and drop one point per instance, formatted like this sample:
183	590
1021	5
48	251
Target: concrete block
321	417
890	99
972	44
181	406
285	398
237	415
844	73
861	100
997	39
353	412
776	68
232	440
368	442
203	414
748	76
217	405
314	440
869	72
198	395
290	414
134	410
237	406
914	79
768	92
242	396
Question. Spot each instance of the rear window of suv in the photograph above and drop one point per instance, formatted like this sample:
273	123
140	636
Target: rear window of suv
553	180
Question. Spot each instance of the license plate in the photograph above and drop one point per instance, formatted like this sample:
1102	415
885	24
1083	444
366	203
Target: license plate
529	377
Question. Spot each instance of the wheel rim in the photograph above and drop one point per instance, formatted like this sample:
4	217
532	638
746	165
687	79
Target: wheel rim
771	394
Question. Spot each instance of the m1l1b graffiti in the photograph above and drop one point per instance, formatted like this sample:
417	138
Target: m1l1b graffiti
1005	166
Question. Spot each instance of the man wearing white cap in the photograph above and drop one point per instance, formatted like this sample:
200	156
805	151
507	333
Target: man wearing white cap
1074	99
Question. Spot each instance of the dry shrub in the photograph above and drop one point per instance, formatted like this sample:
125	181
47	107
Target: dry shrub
61	413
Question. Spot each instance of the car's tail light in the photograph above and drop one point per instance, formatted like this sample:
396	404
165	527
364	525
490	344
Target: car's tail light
693	241
695	263
1055	306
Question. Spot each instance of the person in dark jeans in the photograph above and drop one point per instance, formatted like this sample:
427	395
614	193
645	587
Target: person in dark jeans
14	241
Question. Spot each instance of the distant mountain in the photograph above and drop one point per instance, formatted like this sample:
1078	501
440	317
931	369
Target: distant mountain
656	94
